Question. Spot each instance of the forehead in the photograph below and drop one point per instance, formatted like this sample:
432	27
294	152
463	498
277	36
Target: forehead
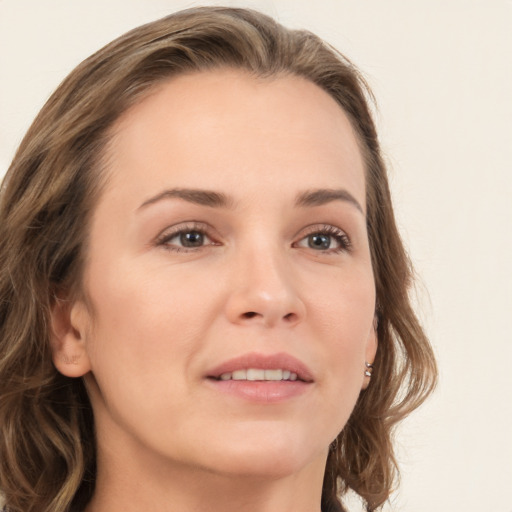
223	128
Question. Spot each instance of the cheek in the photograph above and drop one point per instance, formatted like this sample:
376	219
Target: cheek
344	306
145	306
344	318
145	332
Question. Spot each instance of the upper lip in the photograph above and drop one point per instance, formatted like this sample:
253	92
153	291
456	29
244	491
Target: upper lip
264	362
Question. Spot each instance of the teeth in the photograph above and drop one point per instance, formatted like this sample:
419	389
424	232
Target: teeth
239	375
273	374
259	374
253	374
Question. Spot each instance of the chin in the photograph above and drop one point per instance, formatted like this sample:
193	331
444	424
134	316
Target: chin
271	456
273	466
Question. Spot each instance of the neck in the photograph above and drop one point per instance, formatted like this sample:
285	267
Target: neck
191	490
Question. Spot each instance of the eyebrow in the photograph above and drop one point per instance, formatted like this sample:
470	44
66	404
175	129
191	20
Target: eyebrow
196	196
323	196
309	198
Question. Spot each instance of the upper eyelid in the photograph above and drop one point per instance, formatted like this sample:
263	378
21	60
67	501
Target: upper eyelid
319	228
172	231
209	231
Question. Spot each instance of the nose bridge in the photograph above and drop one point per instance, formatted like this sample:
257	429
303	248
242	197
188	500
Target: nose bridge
263	288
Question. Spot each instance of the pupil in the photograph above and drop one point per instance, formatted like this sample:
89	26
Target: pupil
319	241
192	239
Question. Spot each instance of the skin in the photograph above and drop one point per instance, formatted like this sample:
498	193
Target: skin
160	315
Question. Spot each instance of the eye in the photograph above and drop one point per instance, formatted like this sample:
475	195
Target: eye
185	238
327	239
190	238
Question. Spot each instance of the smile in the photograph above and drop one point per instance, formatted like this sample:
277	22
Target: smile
259	374
254	366
261	378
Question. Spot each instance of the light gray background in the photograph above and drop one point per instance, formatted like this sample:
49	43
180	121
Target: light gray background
442	74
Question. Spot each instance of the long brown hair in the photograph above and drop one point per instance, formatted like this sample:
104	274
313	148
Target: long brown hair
47	445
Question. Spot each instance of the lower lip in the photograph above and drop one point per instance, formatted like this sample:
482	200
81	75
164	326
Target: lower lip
269	391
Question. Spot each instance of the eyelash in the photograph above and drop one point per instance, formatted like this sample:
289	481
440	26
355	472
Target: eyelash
345	245
339	236
195	227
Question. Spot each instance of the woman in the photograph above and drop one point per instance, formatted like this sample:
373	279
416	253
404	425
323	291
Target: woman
203	292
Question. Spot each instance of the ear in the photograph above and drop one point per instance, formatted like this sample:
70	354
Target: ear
371	350
70	323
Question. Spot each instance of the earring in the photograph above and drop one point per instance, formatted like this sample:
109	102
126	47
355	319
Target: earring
369	369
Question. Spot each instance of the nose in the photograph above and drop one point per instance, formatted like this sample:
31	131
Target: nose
264	292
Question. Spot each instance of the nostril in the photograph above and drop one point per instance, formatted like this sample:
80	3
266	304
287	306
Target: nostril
252	314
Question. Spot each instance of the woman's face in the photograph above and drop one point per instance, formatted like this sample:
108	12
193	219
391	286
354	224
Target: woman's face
230	239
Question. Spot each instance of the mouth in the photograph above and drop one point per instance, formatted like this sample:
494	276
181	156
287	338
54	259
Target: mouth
254	366
259	374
